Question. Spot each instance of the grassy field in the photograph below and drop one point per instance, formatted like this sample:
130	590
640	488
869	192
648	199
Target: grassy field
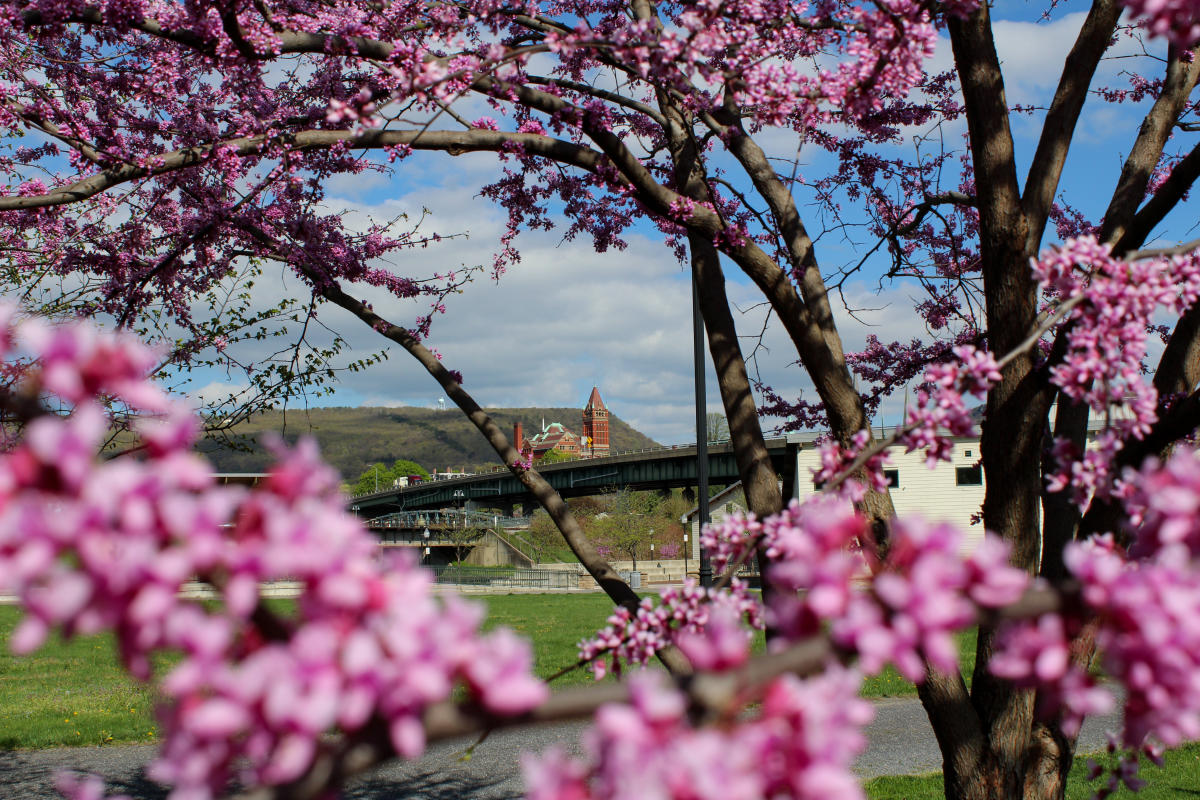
1178	779
69	693
74	693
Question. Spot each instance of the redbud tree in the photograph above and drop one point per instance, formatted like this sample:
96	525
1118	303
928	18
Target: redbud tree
155	148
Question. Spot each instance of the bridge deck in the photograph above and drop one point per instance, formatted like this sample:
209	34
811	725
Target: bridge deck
663	468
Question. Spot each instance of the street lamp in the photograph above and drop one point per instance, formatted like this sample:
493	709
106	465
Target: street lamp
706	575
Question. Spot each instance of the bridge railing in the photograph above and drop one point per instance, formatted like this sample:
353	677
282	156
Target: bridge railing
444	518
502	578
569	459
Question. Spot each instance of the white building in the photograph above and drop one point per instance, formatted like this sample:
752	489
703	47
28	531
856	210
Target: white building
950	491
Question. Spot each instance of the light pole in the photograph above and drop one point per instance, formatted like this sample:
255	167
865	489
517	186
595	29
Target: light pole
706	574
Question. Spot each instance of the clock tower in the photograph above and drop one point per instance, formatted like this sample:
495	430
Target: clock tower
595	427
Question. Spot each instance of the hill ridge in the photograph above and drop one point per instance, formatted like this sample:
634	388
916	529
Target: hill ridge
351	439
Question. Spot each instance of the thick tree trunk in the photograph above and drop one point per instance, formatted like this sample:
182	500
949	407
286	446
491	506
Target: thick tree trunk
1004	763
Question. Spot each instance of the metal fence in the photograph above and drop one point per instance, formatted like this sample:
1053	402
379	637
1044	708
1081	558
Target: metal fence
505	577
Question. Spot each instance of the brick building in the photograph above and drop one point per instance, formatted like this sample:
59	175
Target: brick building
595	427
592	444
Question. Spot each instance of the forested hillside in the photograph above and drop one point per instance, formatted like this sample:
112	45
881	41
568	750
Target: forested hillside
351	439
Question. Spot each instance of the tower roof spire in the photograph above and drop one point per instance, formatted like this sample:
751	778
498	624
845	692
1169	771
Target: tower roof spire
595	403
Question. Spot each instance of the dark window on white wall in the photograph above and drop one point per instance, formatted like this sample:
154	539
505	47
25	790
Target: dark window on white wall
892	476
968	476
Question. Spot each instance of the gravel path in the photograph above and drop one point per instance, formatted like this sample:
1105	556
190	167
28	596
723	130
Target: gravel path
902	743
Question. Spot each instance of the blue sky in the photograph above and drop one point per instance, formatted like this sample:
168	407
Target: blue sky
567	318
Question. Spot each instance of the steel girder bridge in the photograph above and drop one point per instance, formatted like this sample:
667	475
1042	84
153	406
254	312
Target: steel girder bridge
661	468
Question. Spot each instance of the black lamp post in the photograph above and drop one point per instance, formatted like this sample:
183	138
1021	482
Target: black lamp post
706	573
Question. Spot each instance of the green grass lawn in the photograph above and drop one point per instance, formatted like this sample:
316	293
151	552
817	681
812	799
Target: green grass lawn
69	693
556	623
890	683
1177	780
73	693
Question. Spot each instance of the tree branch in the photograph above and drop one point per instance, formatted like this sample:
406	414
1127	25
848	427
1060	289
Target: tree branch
453	142
1059	128
603	94
1169	195
709	693
1148	147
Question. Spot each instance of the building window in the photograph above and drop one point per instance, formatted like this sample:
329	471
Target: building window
892	476
968	476
968	454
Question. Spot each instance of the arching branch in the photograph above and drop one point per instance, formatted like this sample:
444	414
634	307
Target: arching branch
453	142
1059	128
1148	147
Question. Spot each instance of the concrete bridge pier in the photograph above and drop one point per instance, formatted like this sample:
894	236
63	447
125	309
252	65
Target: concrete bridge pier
529	504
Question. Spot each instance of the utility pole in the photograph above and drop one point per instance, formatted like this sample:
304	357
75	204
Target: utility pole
698	361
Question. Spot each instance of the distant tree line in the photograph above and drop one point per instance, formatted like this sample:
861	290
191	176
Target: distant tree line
622	523
378	476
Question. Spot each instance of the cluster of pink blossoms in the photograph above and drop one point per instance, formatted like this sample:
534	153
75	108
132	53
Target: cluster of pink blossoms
920	594
941	406
90	545
1177	20
1147	612
1115	306
800	745
705	624
939	413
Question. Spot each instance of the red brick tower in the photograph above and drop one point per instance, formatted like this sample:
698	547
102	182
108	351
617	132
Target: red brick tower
595	427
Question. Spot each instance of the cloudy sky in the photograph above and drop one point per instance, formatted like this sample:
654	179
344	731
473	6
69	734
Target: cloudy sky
567	318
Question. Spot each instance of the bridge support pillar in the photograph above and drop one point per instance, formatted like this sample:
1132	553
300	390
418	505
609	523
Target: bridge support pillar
529	504
471	505
507	508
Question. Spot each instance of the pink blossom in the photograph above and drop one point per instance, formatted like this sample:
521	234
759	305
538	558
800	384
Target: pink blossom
800	745
88	544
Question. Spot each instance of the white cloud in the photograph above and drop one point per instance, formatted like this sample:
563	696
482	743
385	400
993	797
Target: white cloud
216	392
567	318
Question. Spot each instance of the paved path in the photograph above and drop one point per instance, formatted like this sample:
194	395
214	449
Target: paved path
901	743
